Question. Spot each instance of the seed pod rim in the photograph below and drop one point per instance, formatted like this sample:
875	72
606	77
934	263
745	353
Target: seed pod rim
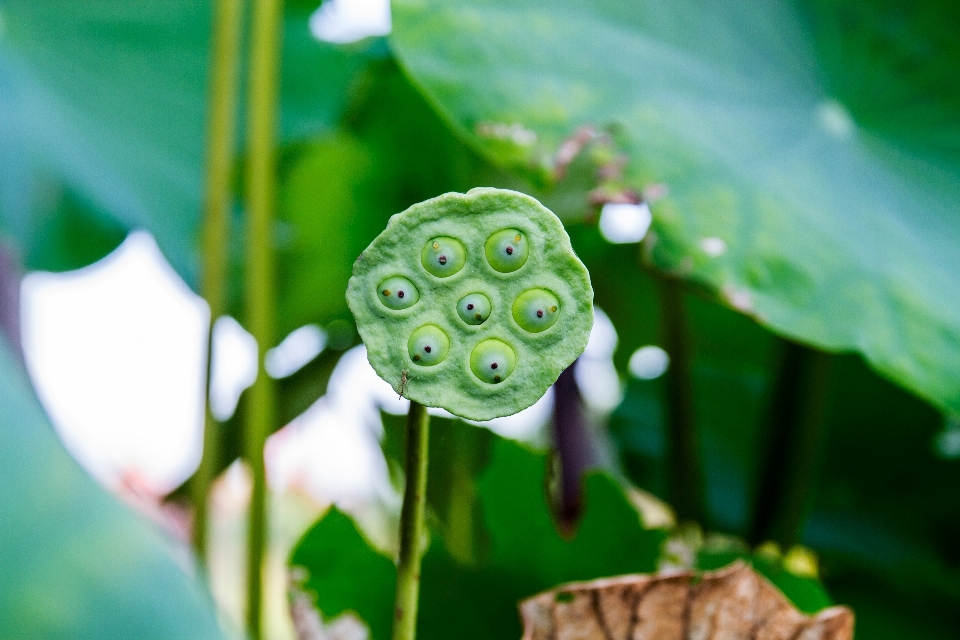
471	218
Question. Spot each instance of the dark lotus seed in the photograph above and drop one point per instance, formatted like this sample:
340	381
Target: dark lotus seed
474	308
507	250
398	293
492	360
535	310
443	256
428	345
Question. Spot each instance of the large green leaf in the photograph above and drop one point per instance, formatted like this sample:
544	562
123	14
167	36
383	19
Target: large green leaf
818	141
883	513
526	555
110	97
76	563
329	201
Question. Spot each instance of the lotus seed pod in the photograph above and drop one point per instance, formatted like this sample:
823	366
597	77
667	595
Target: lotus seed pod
474	308
492	361
428	345
443	256
472	232
397	292
507	250
536	310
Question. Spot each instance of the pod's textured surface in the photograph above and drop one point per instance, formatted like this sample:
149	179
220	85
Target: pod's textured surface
471	219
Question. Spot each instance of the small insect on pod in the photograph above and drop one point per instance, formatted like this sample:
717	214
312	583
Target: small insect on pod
475	301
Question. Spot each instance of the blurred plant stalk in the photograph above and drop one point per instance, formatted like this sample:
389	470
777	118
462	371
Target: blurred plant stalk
685	468
260	277
794	447
221	147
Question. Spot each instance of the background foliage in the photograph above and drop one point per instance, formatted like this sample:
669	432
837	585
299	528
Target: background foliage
819	349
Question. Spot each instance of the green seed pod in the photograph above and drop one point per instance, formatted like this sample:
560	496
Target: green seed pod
507	250
428	345
443	256
492	361
397	292
506	290
536	310
474	308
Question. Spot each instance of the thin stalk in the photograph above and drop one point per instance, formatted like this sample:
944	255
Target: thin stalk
411	523
224	70
795	435
684	467
260	289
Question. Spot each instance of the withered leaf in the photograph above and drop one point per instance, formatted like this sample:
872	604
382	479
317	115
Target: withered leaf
732	603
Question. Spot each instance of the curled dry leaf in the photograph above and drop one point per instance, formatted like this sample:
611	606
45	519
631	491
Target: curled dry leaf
729	604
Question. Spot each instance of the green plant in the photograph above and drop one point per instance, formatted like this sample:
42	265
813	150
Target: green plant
474	303
800	163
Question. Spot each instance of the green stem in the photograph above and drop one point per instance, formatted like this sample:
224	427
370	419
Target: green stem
260	291
684	467
411	523
224	69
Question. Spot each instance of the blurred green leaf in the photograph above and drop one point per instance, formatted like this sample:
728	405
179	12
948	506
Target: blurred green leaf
885	614
732	367
526	555
883	517
886	518
346	573
76	563
110	96
332	211
62	231
817	142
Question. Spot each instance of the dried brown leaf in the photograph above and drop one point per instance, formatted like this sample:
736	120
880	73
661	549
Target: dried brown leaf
730	604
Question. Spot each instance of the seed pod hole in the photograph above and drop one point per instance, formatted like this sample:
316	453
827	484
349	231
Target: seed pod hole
507	250
474	308
398	293
536	310
428	345
492	361
443	256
